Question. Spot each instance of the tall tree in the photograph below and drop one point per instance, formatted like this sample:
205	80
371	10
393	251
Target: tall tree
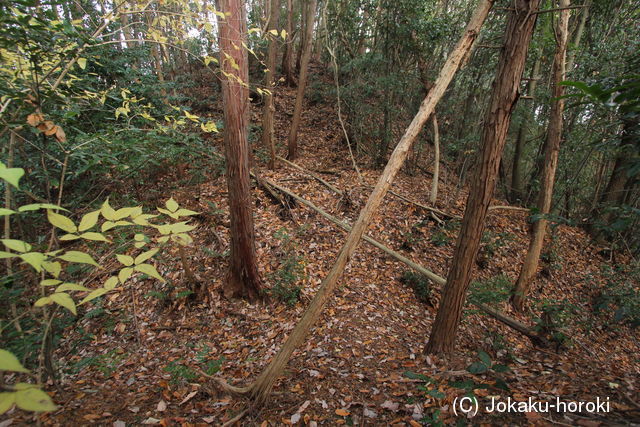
243	279
269	108
287	57
307	43
552	147
261	388
505	93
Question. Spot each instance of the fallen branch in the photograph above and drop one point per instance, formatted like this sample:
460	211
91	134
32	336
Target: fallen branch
311	174
535	338
509	208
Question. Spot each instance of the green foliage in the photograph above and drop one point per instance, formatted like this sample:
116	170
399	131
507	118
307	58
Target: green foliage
492	291
619	300
493	242
555	319
290	272
440	238
420	284
57	289
180	373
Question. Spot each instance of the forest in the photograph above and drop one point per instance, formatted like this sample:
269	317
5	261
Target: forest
319	212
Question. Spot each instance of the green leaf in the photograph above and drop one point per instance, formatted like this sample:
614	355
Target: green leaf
5	212
71	287
124	274
125	259
149	270
17	245
90	235
180	227
89	220
79	257
43	301
436	393
500	368
416	376
64	300
34	399
93	295
50	282
11	175
61	222
111	283
145	256
139	237
36	206
34	259
477	368
484	357
172	205
9	362
82	63
7	400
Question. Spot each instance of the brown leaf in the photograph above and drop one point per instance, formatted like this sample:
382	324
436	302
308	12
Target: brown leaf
34	119
60	135
342	412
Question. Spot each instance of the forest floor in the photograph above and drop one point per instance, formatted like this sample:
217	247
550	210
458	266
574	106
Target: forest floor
136	359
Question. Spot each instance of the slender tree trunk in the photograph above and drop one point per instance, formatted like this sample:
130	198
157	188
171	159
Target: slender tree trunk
260	390
268	137
436	162
243	279
520	25
517	186
552	147
157	61
307	43
287	58
578	35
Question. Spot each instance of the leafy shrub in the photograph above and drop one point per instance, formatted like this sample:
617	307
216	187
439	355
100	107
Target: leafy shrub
619	300
440	238
420	285
290	272
554	320
492	291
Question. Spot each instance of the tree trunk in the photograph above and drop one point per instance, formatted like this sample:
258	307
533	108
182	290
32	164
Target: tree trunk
287	65
307	43
517	187
243	279
436	162
552	147
260	390
520	25
268	138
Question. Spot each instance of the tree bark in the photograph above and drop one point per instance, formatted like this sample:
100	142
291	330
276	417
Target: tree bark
268	137
552	147
243	279
520	25
517	187
302	81
260	390
436	162
287	58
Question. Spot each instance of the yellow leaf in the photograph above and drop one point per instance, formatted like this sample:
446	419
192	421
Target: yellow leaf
35	400
149	270
7	399
89	220
9	362
64	300
61	221
111	283
171	205
124	274
82	62
93	295
145	256
125	260
94	236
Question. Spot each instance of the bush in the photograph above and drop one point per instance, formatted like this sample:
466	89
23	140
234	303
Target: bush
492	291
291	271
420	285
619	300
